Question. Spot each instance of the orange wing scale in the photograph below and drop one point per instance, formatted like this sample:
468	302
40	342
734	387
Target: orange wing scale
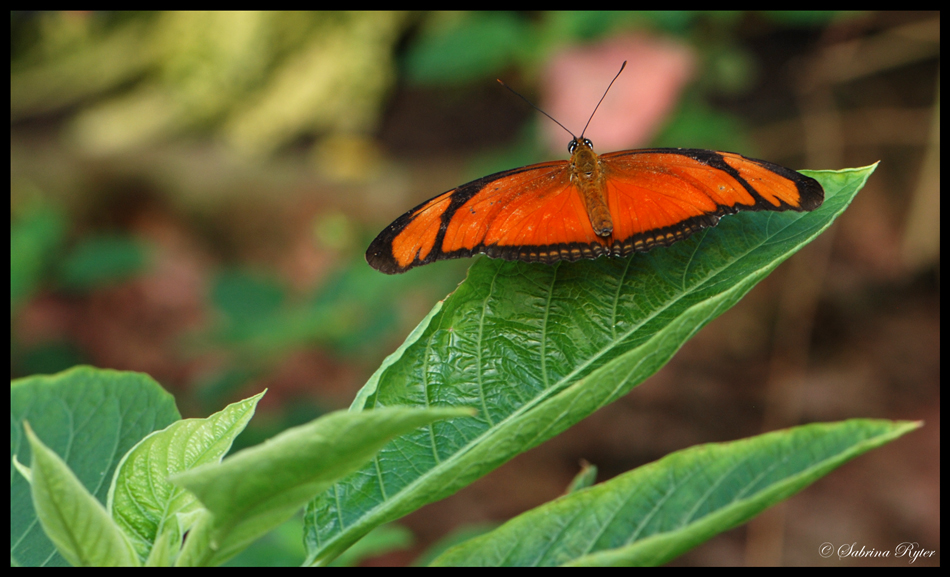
537	213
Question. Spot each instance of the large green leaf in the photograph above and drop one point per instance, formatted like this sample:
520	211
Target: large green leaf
90	418
537	348
654	513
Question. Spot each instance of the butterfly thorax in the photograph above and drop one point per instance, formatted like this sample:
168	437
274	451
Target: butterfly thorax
588	176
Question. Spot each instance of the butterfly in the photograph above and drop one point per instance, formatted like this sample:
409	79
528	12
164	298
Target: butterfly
592	205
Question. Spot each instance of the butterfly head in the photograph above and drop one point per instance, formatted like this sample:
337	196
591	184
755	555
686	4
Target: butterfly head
579	141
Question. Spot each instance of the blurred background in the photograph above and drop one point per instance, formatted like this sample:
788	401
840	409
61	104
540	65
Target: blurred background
192	194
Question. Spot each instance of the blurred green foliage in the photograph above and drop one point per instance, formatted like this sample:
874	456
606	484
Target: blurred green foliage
35	236
346	314
353	316
43	260
101	260
381	540
259	82
282	547
39	256
462	48
46	358
244	297
455	537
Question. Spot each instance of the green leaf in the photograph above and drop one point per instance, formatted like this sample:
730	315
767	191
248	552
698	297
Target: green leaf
143	502
257	489
654	513
91	417
75	521
537	348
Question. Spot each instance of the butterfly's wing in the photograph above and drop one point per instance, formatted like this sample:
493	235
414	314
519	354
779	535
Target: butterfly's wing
662	195
532	213
536	214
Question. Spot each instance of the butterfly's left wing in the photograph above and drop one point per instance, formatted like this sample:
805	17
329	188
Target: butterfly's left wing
532	213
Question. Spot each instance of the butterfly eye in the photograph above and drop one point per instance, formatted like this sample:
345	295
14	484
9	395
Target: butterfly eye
588	143
571	146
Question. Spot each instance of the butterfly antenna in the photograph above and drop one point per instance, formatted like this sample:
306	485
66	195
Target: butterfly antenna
601	99
538	109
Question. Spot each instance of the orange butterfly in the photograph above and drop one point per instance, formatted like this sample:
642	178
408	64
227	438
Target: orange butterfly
614	204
